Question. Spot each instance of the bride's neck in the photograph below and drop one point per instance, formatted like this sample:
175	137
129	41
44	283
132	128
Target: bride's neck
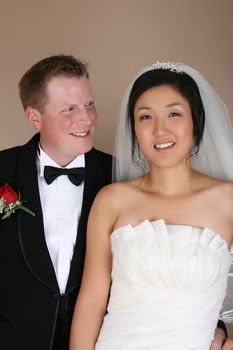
169	181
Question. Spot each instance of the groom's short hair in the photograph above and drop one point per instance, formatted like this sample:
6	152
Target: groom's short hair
33	84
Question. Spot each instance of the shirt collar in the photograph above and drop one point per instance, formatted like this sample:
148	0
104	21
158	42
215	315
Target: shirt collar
44	159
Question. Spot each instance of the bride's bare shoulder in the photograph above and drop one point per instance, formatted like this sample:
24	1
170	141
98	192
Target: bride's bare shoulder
119	190
224	187
226	190
220	192
208	182
112	200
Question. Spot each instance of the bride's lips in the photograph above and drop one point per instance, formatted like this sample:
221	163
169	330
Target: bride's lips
164	145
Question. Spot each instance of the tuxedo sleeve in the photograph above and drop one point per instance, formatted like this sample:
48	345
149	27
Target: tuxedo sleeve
222	325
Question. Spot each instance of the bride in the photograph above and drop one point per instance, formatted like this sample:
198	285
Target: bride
158	239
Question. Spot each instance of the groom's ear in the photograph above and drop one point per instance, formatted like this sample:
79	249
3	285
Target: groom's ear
34	117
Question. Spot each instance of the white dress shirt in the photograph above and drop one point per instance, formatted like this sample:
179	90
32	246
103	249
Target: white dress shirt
61	203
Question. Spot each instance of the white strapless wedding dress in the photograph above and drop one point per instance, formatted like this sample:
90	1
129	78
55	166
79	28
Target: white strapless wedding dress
168	285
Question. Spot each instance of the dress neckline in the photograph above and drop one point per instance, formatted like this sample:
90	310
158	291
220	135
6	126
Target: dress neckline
162	221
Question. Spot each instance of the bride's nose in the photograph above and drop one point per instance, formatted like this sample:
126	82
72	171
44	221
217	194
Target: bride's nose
159	126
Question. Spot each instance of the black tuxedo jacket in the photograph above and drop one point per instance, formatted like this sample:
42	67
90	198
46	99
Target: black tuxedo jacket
29	293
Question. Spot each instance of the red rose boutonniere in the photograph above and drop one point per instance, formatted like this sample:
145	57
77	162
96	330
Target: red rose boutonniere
10	202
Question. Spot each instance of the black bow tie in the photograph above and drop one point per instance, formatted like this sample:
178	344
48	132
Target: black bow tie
76	175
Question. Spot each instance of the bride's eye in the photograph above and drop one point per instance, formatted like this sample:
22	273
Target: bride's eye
145	117
174	114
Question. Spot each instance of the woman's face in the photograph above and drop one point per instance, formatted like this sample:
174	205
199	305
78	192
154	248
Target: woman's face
163	126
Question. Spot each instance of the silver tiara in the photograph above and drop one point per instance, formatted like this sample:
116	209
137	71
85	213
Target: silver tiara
172	66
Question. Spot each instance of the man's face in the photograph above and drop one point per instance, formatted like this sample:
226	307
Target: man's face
67	122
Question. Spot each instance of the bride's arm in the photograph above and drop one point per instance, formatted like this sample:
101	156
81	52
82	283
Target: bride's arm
219	339
91	303
228	345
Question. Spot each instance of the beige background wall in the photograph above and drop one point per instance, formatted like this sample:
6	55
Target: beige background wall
118	38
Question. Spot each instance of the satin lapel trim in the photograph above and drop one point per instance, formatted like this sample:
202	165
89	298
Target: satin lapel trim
30	228
93	182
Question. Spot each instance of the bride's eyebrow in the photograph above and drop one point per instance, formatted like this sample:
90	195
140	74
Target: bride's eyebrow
173	104
143	108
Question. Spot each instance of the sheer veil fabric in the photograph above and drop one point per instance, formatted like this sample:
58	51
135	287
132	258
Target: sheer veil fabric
215	156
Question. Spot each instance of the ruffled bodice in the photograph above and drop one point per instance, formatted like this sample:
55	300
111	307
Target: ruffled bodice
168	285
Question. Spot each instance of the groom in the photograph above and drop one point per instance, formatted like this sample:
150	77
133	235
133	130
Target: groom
42	251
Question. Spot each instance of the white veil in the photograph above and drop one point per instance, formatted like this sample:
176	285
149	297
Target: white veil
215	156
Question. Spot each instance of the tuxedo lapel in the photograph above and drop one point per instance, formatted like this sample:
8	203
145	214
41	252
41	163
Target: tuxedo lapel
95	178
31	228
